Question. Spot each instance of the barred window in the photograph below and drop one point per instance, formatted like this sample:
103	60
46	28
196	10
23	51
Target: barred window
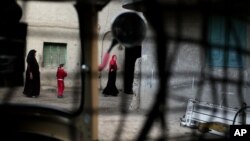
227	38
54	54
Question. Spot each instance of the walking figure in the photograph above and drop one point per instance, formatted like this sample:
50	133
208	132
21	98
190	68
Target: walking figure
32	81
111	87
61	74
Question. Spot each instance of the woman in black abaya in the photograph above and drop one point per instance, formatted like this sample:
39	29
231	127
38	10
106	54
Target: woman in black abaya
111	87
32	81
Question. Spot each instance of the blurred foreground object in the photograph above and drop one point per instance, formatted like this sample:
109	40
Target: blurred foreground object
12	44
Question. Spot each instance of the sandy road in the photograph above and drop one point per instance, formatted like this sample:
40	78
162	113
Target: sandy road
48	97
112	125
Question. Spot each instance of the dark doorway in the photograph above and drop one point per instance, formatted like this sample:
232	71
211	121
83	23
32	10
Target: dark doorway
131	54
12	51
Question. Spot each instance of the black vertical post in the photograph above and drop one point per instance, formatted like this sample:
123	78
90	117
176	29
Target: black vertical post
243	114
87	15
12	44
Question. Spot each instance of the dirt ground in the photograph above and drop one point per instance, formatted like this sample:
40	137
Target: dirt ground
113	125
47	97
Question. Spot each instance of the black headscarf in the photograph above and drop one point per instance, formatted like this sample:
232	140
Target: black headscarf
31	57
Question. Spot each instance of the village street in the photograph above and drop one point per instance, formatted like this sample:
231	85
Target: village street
111	123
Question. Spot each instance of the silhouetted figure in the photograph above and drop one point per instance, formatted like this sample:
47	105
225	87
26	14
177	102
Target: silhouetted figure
60	75
32	81
111	89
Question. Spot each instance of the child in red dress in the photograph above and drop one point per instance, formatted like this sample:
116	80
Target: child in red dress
61	73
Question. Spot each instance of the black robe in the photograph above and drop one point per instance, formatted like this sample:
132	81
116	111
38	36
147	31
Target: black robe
32	86
111	89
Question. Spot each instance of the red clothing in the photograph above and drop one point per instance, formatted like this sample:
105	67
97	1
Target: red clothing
110	88
112	64
61	73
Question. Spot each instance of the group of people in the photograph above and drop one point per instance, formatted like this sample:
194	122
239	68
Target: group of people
32	80
32	77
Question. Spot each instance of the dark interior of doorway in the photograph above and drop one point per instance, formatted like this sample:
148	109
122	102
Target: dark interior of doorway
131	54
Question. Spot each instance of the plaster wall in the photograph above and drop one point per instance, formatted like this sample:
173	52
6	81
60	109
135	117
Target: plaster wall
190	75
55	22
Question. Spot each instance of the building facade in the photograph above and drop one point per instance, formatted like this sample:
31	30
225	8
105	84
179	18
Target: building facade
53	31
